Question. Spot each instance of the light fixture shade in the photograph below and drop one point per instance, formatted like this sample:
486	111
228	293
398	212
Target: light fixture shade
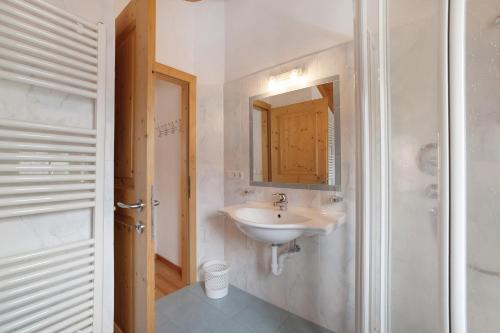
294	77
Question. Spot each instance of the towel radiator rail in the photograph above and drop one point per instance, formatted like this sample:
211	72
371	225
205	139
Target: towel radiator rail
47	168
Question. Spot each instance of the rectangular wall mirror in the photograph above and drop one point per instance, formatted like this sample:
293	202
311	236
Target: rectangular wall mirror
295	137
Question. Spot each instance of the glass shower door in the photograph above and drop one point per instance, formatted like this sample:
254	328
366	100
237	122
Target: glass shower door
416	102
433	251
407	205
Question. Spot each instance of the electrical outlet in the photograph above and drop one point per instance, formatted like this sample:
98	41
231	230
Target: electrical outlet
233	174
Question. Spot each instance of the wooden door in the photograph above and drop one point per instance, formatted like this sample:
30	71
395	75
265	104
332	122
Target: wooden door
134	134
299	143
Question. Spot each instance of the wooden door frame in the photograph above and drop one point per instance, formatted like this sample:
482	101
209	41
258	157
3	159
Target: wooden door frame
188	175
265	108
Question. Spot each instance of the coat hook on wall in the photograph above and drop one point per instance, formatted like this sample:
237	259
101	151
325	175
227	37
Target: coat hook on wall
169	128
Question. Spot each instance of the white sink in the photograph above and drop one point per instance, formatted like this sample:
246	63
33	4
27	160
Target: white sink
265	223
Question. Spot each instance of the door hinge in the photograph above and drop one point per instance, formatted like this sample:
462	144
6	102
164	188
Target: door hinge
189	187
152	214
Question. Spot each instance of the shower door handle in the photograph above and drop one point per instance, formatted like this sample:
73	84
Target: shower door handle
137	205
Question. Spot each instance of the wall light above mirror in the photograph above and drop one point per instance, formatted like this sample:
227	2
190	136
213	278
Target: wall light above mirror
295	136
295	78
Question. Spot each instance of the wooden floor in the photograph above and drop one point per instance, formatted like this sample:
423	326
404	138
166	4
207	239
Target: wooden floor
167	280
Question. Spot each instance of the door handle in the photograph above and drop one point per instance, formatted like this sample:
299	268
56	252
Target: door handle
137	205
139	227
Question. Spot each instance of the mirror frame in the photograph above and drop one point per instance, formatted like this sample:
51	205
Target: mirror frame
335	79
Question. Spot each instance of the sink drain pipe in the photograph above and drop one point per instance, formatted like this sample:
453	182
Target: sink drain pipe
278	262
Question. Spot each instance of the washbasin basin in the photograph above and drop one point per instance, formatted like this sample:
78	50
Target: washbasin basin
269	218
266	223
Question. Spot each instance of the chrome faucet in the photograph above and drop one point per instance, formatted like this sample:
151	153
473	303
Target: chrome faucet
282	202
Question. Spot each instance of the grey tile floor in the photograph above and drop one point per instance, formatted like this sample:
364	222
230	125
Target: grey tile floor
190	311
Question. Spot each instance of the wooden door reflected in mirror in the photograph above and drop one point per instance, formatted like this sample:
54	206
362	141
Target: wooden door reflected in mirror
295	137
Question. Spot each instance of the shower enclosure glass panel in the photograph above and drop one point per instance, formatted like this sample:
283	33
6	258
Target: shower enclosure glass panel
483	165
415	96
413	231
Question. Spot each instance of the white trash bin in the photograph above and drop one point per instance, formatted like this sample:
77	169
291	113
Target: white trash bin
216	278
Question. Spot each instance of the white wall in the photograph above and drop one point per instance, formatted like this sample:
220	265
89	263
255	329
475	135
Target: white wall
293	97
167	170
318	283
190	37
119	5
175	34
262	33
483	166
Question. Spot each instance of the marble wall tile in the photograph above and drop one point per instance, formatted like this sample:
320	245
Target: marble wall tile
483	177
210	174
318	283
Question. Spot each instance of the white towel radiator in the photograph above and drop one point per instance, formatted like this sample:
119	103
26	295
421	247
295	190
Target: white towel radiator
46	168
